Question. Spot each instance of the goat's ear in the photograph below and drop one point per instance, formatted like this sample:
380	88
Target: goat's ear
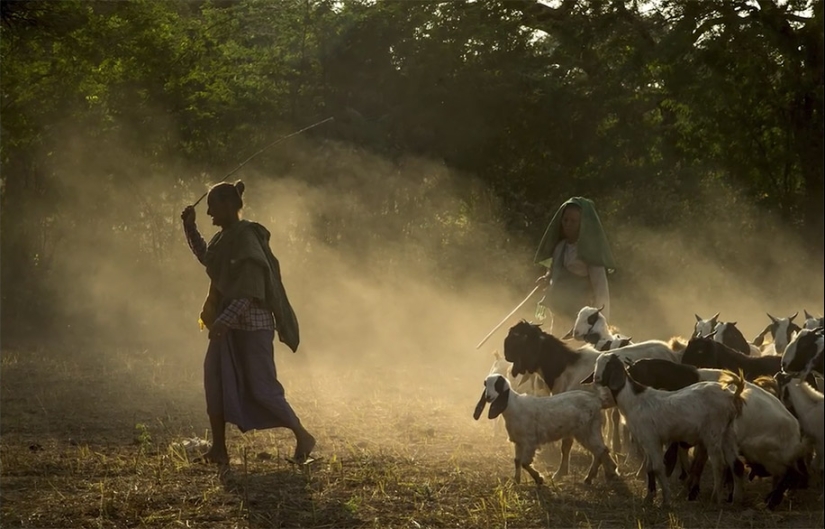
587	380
499	404
480	406
761	336
615	378
710	334
697	317
795	314
568	335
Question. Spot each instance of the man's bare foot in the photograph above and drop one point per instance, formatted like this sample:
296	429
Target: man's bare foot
215	456
306	442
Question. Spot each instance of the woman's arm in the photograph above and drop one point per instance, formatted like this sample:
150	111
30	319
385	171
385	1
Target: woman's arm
193	237
601	292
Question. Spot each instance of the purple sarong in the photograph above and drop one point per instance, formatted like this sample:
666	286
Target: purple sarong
241	382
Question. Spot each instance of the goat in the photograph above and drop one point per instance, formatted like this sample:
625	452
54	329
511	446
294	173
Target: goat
532	421
667	376
700	413
806	404
781	330
804	353
591	327
769	439
727	333
704	327
812	322
529	383
531	350
705	352
766	433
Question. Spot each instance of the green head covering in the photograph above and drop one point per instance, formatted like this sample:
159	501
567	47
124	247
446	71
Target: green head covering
592	245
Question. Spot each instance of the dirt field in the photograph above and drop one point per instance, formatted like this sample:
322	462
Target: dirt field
87	441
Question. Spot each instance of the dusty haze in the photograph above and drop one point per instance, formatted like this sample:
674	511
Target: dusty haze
395	269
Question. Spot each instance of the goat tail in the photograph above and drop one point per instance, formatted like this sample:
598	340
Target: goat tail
767	383
677	343
738	382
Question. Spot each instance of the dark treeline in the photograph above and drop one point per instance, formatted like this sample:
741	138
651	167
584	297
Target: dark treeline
670	113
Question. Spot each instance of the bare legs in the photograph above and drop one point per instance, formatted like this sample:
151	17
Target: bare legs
219	455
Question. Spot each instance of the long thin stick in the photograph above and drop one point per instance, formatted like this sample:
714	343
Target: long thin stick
508	316
274	143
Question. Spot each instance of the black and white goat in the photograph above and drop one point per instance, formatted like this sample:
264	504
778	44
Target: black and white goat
804	353
532	421
591	327
700	413
812	322
781	330
532	350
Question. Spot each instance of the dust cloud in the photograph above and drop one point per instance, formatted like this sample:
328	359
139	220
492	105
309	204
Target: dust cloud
395	268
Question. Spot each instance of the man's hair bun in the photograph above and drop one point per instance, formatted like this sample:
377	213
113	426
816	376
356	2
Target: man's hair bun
239	187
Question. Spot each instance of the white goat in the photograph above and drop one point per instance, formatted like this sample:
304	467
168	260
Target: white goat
781	330
807	404
700	413
529	383
532	421
768	436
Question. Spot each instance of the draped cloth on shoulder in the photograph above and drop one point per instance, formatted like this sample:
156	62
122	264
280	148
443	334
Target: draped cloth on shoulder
592	246
227	252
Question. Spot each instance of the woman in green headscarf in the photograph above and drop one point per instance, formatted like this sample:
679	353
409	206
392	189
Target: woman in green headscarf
577	256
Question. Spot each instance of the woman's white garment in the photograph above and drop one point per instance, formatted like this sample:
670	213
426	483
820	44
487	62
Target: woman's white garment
597	274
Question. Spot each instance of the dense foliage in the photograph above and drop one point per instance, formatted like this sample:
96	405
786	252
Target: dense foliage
644	106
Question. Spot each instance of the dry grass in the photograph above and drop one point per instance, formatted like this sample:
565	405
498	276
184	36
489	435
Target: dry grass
89	443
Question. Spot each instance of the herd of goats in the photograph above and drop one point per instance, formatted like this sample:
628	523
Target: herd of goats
747	407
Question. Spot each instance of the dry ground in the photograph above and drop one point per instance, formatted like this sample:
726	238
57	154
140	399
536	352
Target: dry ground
87	442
